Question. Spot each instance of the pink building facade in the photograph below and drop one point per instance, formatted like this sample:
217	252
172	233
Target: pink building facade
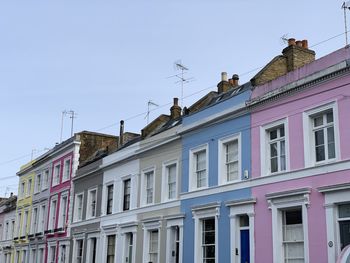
300	133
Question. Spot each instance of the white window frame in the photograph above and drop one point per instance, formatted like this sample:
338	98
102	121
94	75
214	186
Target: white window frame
165	180
24	255
199	214
143	186
222	157
60	246
265	149
41	218
309	139
123	180
41	252
29	186
105	250
25	222
105	196
38	183
89	203
76	215
279	202
89	247
49	254
148	227
34	223
18	222
66	177
237	209
53	214
75	249
192	171
171	223
33	255
46	179
333	196
23	188
61	223
56	178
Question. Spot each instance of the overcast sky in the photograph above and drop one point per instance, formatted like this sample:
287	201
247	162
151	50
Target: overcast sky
106	59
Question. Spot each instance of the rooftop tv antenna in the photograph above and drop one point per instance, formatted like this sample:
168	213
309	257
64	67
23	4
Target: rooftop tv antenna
149	104
72	115
284	39
346	5
179	66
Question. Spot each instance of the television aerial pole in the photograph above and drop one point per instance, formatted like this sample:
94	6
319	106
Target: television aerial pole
72	115
181	76
346	5
149	104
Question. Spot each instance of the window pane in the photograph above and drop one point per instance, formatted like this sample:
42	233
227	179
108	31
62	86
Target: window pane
319	137
318	121
331	143
274	165
273	134
232	171
243	220
201	162
344	210
320	153
282	131
273	149
329	117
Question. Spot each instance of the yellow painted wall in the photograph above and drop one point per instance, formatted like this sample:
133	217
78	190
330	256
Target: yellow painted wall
25	203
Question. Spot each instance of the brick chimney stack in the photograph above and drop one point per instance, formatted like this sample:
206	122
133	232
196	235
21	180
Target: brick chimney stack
175	110
234	80
223	85
298	54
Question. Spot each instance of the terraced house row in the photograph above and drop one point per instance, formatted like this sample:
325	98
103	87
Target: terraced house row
253	172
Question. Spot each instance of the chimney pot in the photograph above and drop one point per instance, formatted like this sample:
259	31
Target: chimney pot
121	133
299	43
234	80
291	42
223	76
176	101
305	44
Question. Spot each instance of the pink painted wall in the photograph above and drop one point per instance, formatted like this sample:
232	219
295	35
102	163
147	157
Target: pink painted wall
292	108
57	191
316	215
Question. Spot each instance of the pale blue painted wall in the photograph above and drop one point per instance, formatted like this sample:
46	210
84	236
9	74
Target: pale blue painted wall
211	135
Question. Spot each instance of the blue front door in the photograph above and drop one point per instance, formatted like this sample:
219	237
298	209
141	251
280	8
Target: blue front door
245	257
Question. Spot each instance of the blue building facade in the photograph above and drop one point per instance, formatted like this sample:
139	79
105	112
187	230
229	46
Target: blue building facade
216	165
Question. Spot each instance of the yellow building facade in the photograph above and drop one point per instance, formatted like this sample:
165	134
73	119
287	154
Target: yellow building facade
23	213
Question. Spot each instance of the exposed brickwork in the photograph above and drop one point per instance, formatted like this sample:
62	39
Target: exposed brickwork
154	125
92	142
294	56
